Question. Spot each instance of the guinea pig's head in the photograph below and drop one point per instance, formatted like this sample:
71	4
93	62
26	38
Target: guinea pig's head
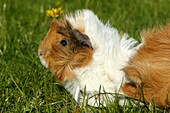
64	49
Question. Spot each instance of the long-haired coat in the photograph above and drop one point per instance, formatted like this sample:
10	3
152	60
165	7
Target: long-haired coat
150	67
86	55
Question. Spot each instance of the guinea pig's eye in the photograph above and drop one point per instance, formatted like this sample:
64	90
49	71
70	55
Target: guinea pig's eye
63	42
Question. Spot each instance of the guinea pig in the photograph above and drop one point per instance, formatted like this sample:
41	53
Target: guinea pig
150	68
87	56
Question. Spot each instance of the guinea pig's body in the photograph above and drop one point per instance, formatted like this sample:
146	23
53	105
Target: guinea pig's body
102	73
150	66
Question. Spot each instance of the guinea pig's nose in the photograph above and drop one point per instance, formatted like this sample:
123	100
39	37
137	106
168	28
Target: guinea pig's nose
41	52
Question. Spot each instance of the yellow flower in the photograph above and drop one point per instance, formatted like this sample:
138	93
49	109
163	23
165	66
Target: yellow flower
54	12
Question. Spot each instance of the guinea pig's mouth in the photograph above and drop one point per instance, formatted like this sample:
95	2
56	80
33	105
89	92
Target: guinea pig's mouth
43	62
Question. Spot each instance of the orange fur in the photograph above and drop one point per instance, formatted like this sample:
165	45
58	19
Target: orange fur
62	60
151	67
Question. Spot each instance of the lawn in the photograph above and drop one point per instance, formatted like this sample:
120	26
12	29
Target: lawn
25	85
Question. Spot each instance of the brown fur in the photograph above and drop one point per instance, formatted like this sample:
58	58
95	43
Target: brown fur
150	66
63	59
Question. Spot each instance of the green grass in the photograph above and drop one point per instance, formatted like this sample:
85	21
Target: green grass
25	85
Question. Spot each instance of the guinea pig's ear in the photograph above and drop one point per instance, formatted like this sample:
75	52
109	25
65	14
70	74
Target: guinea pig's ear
82	38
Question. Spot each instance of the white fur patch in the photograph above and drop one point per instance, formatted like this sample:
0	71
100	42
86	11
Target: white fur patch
112	53
43	62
